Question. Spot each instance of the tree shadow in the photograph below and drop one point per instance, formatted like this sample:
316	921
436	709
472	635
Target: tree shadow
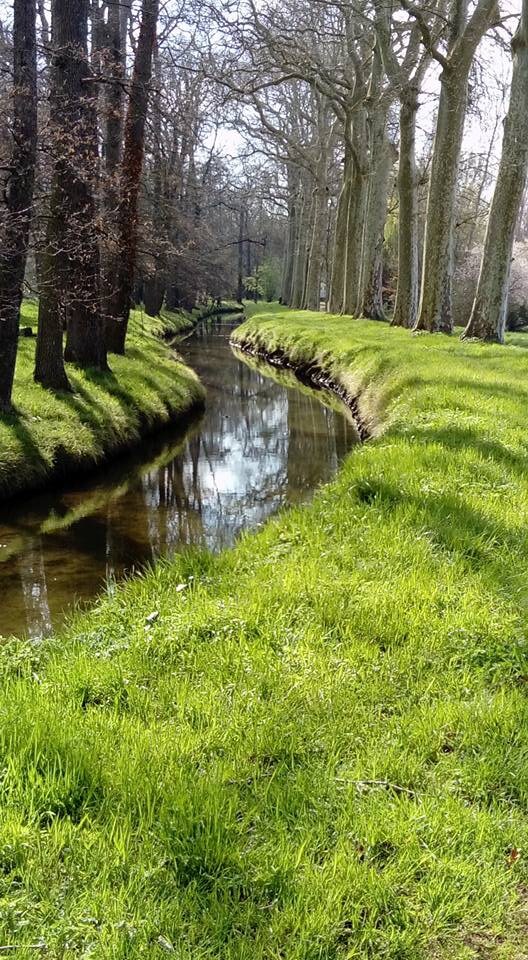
460	438
15	421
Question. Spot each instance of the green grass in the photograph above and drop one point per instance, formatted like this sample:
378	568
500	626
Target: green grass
105	412
314	746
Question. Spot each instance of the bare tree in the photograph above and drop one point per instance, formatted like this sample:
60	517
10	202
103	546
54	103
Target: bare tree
466	32
488	316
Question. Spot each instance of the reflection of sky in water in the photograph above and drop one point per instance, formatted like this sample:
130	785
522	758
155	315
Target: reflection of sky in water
260	445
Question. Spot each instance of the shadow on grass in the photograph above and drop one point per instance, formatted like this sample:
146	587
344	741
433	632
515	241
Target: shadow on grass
485	545
458	438
15	420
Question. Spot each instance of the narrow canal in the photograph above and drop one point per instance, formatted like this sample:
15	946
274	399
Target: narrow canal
264	442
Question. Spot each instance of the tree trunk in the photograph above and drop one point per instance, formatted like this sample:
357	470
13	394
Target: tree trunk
337	283
312	297
19	193
293	223
240	275
114	64
356	217
382	158
435	313
153	295
70	281
299	269
131	169
407	294
488	316
308	233
55	275
370	295
85	340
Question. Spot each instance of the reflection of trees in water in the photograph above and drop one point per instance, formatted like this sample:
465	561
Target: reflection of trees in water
260	445
34	589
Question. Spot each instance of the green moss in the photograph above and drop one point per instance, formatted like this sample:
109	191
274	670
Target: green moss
318	747
105	412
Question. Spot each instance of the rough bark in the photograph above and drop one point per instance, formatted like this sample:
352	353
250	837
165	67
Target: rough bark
407	293
488	316
435	313
154	286
70	294
55	274
299	269
383	155
337	284
19	192
357	208
293	224
131	168
370	298
85	340
240	245
312	293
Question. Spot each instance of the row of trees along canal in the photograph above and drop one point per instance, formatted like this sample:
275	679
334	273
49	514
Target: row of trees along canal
119	119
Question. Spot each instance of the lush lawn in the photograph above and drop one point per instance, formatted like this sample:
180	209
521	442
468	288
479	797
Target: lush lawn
104	413
315	746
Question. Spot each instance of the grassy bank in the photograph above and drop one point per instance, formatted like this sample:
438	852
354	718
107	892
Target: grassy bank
314	746
58	433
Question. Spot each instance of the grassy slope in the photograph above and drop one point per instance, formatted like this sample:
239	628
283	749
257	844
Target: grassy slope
105	412
319	747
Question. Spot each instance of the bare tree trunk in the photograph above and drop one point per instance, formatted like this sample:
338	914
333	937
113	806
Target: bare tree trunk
371	292
312	296
337	283
240	277
356	216
154	286
85	340
309	231
19	193
299	270
407	294
132	166
70	280
488	316
114	57
435	313
293	224
55	273
370	295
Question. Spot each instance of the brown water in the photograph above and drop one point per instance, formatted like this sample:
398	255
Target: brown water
264	442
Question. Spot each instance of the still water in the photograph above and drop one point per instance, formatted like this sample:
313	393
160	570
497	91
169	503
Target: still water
264	442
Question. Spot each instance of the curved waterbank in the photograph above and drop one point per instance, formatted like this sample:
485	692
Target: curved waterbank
315	741
264	441
310	373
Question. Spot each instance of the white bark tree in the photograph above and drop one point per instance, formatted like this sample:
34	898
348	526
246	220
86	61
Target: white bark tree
466	32
488	316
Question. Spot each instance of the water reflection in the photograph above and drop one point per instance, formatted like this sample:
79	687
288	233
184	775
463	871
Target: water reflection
263	442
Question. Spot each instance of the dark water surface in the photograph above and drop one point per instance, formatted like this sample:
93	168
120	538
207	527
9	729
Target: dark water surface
263	442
